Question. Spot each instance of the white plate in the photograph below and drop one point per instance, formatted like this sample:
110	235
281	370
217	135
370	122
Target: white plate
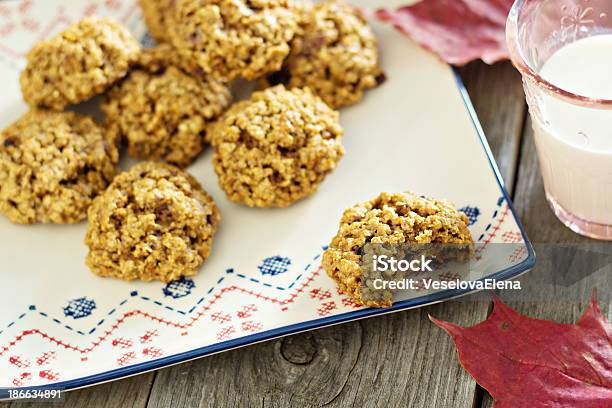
62	325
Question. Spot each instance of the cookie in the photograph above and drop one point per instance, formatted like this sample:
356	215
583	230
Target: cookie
52	165
276	147
163	112
390	218
335	54
154	222
234	38
78	63
158	16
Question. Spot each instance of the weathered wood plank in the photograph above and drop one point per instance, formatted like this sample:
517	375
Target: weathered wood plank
132	392
401	359
308	369
406	361
555	289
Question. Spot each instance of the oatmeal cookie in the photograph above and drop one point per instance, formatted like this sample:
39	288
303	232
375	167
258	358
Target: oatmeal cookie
78	63
234	38
334	54
154	222
276	147
390	218
163	112
52	165
158	15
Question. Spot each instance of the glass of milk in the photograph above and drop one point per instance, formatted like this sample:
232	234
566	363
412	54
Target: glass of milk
563	49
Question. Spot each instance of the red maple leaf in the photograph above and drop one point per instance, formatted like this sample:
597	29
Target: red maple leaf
459	31
531	363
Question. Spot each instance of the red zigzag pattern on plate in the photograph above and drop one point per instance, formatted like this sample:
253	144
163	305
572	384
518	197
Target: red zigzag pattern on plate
59	20
493	231
326	310
168	323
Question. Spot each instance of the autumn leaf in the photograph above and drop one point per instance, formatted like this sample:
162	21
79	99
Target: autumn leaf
531	363
459	31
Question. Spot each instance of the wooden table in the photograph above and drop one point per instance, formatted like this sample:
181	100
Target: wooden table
398	360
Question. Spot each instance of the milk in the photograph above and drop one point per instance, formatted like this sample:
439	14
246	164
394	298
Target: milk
575	143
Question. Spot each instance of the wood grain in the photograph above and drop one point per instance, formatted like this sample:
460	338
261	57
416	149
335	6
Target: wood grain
406	361
308	369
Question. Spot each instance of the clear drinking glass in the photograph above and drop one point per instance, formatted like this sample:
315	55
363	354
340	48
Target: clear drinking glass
573	132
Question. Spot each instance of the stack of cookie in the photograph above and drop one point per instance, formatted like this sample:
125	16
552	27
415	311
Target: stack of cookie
155	221
166	104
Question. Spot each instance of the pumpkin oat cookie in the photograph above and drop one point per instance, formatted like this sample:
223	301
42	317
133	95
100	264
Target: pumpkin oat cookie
234	38
52	166
162	111
276	147
390	218
80	62
335	54
154	222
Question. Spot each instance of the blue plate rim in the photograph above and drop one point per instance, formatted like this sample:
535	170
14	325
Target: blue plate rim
141	368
